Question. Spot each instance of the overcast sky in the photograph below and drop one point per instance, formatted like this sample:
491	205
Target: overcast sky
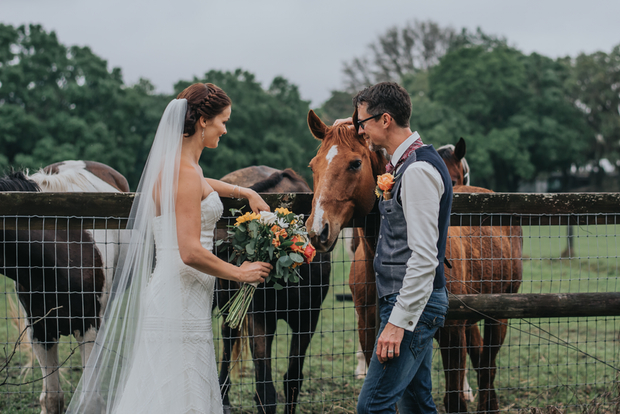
304	41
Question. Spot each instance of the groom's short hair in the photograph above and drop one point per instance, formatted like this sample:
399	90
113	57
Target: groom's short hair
386	97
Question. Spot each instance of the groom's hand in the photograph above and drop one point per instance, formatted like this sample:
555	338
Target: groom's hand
388	345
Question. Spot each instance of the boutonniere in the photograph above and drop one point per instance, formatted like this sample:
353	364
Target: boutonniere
385	182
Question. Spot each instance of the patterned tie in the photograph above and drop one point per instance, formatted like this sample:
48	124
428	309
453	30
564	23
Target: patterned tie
416	144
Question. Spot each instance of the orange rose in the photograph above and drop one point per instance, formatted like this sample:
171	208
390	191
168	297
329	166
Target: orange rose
295	247
309	253
385	182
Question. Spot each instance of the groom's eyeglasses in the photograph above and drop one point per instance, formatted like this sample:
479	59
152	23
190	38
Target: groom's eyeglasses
360	124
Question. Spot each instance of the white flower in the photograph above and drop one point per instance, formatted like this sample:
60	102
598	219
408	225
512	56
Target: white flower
267	218
282	222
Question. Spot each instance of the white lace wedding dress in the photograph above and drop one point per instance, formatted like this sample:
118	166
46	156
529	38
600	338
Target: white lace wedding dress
151	379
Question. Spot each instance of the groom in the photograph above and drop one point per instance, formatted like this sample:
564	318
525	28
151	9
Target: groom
410	254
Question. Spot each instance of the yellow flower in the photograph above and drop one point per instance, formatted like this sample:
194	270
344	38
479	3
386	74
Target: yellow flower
247	217
283	211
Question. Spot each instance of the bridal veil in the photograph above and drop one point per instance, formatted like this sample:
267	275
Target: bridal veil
103	381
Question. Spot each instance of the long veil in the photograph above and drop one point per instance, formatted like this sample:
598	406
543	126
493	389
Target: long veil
103	381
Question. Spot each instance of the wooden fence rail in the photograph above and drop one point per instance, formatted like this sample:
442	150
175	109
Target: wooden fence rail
474	209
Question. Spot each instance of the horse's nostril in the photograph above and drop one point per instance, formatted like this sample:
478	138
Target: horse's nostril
325	233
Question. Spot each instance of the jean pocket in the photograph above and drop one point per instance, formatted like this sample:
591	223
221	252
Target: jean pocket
430	320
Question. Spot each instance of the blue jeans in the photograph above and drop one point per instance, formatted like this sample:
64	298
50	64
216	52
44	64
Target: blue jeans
405	379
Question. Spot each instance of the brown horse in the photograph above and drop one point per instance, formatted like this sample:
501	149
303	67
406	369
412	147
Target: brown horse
71	270
298	304
484	259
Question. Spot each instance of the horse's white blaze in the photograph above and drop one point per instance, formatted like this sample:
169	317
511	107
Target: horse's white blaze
333	151
317	224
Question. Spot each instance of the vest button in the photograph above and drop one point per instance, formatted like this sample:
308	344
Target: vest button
383	217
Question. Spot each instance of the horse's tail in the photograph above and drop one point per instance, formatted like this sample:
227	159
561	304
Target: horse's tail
240	348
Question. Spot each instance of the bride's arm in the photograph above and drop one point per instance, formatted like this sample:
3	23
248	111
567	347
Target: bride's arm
229	190
189	195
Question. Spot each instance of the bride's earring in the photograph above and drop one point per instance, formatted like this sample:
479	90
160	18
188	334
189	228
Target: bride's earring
203	135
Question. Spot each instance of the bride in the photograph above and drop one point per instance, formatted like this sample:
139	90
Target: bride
154	352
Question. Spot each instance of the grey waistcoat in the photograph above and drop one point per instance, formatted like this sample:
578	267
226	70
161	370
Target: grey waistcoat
390	262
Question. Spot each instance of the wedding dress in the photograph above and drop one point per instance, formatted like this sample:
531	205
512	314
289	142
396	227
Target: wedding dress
154	351
145	392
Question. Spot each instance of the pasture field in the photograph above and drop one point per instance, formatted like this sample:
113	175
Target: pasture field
568	363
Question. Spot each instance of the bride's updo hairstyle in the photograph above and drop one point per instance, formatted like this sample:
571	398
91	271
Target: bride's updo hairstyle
203	99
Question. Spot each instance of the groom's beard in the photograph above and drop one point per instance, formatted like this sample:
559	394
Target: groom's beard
374	147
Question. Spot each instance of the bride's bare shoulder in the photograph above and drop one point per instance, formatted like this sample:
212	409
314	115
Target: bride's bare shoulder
190	178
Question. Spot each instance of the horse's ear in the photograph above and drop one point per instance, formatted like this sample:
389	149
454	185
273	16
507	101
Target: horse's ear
317	127
460	149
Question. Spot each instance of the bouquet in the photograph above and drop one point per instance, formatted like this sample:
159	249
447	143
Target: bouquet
279	238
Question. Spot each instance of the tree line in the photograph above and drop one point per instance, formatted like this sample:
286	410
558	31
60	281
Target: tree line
522	116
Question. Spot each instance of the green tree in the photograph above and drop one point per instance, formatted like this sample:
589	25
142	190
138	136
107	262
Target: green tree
338	106
594	88
59	103
267	127
521	123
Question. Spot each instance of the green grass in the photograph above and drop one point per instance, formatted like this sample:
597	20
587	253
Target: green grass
561	361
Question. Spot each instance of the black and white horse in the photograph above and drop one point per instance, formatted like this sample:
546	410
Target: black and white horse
62	277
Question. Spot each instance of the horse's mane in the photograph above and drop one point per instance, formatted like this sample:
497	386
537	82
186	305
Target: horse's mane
276	178
17	181
73	179
343	134
446	151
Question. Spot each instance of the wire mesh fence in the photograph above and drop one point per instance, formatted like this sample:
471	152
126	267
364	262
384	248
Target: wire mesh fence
568	363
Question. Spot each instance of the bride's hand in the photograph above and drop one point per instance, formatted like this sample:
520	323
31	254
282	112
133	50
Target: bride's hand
254	272
257	204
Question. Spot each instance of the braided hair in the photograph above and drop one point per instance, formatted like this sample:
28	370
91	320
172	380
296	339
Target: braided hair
203	99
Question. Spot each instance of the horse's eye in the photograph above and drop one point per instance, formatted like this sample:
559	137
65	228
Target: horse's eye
355	165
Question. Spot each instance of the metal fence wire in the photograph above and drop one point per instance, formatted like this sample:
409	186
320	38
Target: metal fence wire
302	344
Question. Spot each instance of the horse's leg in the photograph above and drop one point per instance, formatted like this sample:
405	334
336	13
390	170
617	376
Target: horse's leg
261	330
474	349
364	291
52	398
494	335
362	368
96	405
229	337
303	325
453	346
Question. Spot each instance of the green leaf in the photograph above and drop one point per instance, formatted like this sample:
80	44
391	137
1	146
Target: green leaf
250	247
271	249
296	257
285	261
278	286
234	211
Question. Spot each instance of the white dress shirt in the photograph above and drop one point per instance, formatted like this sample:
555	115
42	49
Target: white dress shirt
421	191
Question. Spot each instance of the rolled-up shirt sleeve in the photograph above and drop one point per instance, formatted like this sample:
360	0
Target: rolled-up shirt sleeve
421	191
